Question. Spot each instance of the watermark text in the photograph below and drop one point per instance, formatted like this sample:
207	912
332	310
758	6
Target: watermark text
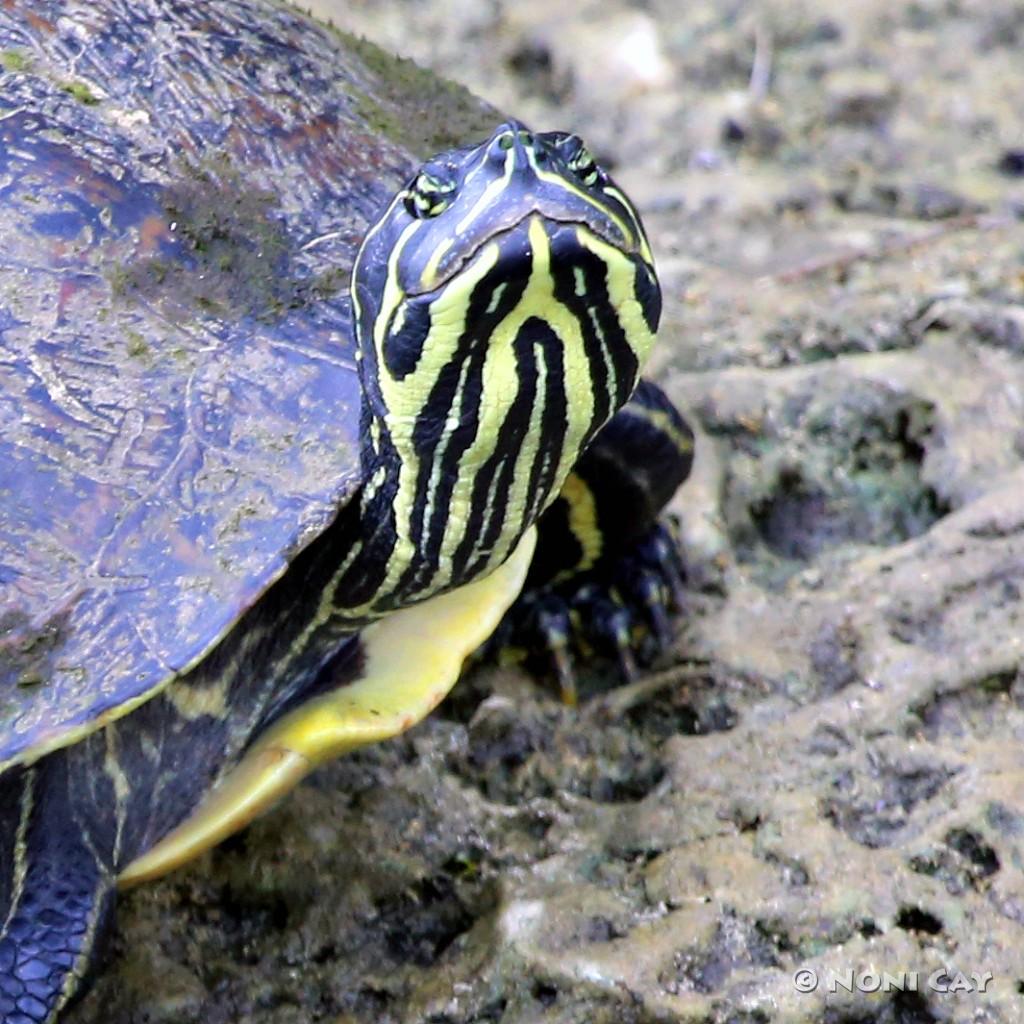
945	980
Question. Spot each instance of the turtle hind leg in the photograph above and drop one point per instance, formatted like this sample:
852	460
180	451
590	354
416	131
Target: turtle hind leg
56	896
608	574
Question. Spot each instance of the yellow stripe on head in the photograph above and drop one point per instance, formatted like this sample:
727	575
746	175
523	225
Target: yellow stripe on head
622	293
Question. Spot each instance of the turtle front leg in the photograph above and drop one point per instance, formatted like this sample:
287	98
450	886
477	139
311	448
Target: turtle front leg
607	571
56	892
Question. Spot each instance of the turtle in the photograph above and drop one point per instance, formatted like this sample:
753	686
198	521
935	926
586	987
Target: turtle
283	407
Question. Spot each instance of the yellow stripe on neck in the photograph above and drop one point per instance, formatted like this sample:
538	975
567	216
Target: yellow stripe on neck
405	400
582	510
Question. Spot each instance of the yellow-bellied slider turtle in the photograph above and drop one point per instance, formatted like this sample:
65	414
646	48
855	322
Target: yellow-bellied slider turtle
219	468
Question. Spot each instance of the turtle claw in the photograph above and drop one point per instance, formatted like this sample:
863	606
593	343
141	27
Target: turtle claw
554	624
661	554
653	596
627	665
568	690
608	625
622	612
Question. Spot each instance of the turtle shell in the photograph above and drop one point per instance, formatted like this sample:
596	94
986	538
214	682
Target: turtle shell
182	190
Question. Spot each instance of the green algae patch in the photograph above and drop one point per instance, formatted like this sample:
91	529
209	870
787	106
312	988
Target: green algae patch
15	61
81	92
413	107
223	251
136	346
30	649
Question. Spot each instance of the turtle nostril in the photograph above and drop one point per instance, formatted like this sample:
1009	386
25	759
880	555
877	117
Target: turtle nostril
502	145
511	136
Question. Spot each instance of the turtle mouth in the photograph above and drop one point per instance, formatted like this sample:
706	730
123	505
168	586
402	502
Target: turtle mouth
505	237
559	268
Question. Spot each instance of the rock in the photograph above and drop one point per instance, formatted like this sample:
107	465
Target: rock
860	96
1011	163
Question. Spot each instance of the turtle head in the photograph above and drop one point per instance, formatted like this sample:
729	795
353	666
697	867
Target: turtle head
468	225
504	302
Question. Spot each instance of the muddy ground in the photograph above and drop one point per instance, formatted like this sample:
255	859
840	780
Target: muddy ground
831	777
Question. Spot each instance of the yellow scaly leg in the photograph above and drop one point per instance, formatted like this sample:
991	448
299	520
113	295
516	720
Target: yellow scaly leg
412	659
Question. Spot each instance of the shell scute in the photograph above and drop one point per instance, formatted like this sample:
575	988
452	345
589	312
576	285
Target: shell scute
181	193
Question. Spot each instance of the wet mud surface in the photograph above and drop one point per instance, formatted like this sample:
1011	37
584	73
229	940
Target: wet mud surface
828	774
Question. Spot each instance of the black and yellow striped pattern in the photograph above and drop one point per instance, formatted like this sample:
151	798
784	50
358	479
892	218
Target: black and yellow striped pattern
504	304
617	489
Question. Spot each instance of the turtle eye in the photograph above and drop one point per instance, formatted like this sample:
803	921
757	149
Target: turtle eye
428	195
581	162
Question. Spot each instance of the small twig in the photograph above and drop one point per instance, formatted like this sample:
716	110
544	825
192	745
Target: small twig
320	239
618	702
761	69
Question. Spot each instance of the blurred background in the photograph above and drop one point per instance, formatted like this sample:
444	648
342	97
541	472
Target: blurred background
758	136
